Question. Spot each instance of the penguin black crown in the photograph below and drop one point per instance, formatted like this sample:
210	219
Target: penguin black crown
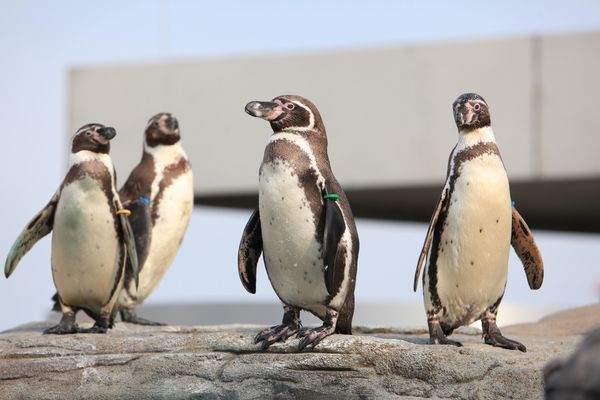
91	238
304	226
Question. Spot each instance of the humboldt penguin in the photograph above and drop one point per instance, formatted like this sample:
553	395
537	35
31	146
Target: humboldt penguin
160	195
91	237
303	225
470	233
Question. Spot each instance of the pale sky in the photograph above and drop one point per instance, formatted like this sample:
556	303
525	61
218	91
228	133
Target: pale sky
41	41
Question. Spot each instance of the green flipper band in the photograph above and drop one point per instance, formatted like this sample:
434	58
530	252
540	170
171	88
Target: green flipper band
331	196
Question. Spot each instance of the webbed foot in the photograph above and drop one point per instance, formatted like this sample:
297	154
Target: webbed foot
100	326
493	336
129	315
280	333
312	336
67	325
437	335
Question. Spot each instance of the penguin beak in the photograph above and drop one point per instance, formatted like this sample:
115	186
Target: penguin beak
459	116
463	115
172	124
266	110
107	133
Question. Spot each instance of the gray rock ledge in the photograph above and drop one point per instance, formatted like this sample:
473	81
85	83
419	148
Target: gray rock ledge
175	362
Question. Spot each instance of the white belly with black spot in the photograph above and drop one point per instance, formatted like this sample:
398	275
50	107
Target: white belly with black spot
174	213
291	252
85	246
472	263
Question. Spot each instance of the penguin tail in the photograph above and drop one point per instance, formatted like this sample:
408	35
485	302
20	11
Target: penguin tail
344	322
56	303
91	314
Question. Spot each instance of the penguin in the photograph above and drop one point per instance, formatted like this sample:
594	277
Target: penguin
469	237
91	237
304	226
159	192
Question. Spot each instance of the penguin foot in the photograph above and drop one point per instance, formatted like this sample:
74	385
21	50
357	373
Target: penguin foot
129	315
312	336
444	340
94	329
67	325
100	326
437	335
278	333
493	336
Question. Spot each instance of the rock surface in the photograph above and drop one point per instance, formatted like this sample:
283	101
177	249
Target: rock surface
174	362
578	377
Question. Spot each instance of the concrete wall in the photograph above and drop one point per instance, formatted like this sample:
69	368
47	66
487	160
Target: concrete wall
387	111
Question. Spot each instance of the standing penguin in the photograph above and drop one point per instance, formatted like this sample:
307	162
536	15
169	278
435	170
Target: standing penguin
304	226
92	237
160	195
470	234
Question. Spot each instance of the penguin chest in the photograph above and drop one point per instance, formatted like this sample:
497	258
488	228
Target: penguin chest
86	253
174	204
472	256
292	252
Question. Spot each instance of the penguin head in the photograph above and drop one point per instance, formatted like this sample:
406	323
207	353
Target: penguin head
288	113
162	128
93	137
470	112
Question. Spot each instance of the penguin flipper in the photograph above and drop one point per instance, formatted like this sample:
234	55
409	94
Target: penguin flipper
141	223
251	246
37	228
527	250
334	229
129	239
428	239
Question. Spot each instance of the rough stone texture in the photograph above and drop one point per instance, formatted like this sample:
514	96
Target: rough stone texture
221	362
578	377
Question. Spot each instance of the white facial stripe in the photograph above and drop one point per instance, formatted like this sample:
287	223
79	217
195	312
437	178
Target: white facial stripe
86	128
150	122
311	124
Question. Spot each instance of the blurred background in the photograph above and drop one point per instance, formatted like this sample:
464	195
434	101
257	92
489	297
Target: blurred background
384	75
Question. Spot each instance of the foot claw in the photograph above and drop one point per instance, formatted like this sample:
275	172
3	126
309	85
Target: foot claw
312	336
498	340
277	333
493	336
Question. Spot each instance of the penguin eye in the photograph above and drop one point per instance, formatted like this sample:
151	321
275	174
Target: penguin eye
88	133
477	107
290	106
